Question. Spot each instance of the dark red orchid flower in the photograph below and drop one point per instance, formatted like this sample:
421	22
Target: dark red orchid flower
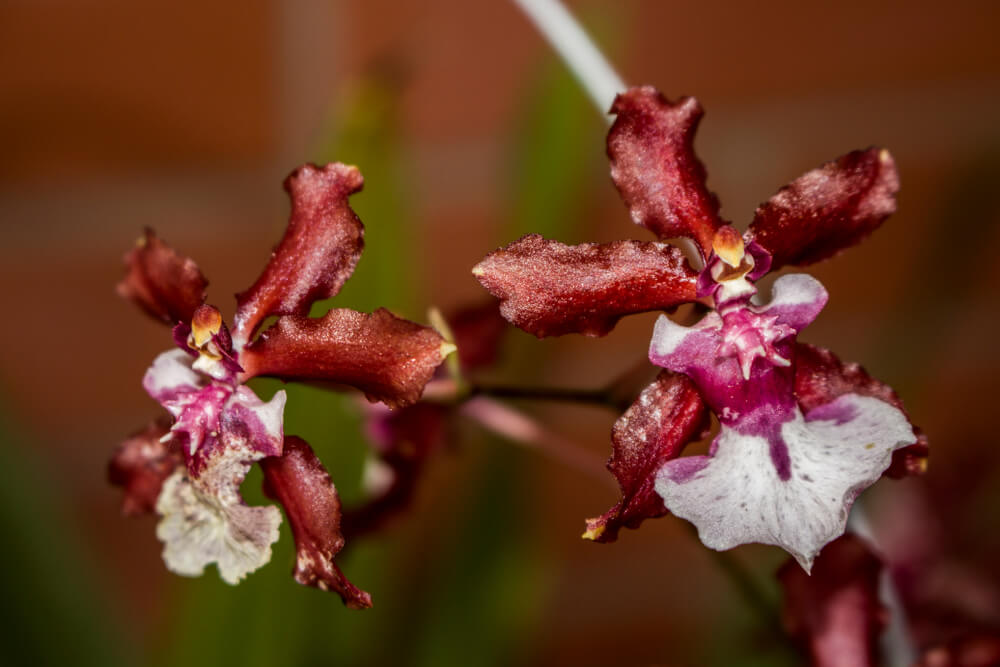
189	471
801	433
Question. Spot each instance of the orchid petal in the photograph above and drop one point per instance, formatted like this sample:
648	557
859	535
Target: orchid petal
820	377
835	613
388	358
165	284
318	252
796	300
205	521
738	494
548	289
141	464
827	209
666	416
298	480
171	376
653	164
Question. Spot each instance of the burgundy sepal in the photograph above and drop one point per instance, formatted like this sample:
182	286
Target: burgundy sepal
165	284
820	377
301	484
835	613
974	650
318	252
141	464
388	358
827	209
478	334
653	164
548	288
666	416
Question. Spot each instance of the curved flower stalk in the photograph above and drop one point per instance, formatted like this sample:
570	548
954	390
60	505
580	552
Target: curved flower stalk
801	432
189	469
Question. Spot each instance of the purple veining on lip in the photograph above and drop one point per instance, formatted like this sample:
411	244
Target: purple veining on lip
841	413
683	469
779	455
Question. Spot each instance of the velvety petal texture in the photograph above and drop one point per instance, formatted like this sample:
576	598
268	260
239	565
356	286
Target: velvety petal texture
165	284
666	416
548	288
140	466
298	480
828	209
318	253
821	377
835	614
738	494
653	164
388	358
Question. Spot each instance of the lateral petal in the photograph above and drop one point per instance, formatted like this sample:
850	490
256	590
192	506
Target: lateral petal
317	254
736	495
820	377
827	209
667	415
548	288
835	613
388	358
298	480
164	283
654	166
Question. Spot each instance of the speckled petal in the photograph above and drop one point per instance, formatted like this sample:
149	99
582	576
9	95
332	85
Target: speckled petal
666	416
835	614
736	495
298	480
165	284
820	377
827	209
548	288
318	253
651	147
388	358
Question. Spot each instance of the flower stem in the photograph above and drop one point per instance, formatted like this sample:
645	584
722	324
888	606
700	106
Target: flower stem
564	394
577	50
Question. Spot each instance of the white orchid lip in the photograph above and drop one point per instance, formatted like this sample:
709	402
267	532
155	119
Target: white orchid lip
773	475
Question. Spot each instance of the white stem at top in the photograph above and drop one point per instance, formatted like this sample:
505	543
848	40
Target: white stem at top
579	52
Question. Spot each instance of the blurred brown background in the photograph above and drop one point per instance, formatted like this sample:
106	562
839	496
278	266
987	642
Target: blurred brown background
185	116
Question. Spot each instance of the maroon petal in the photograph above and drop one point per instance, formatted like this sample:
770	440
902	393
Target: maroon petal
403	440
835	613
388	358
651	147
820	377
318	253
140	465
548	288
298	481
668	414
163	283
828	209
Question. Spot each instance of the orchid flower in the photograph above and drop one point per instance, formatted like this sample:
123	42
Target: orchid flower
801	432
189	469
